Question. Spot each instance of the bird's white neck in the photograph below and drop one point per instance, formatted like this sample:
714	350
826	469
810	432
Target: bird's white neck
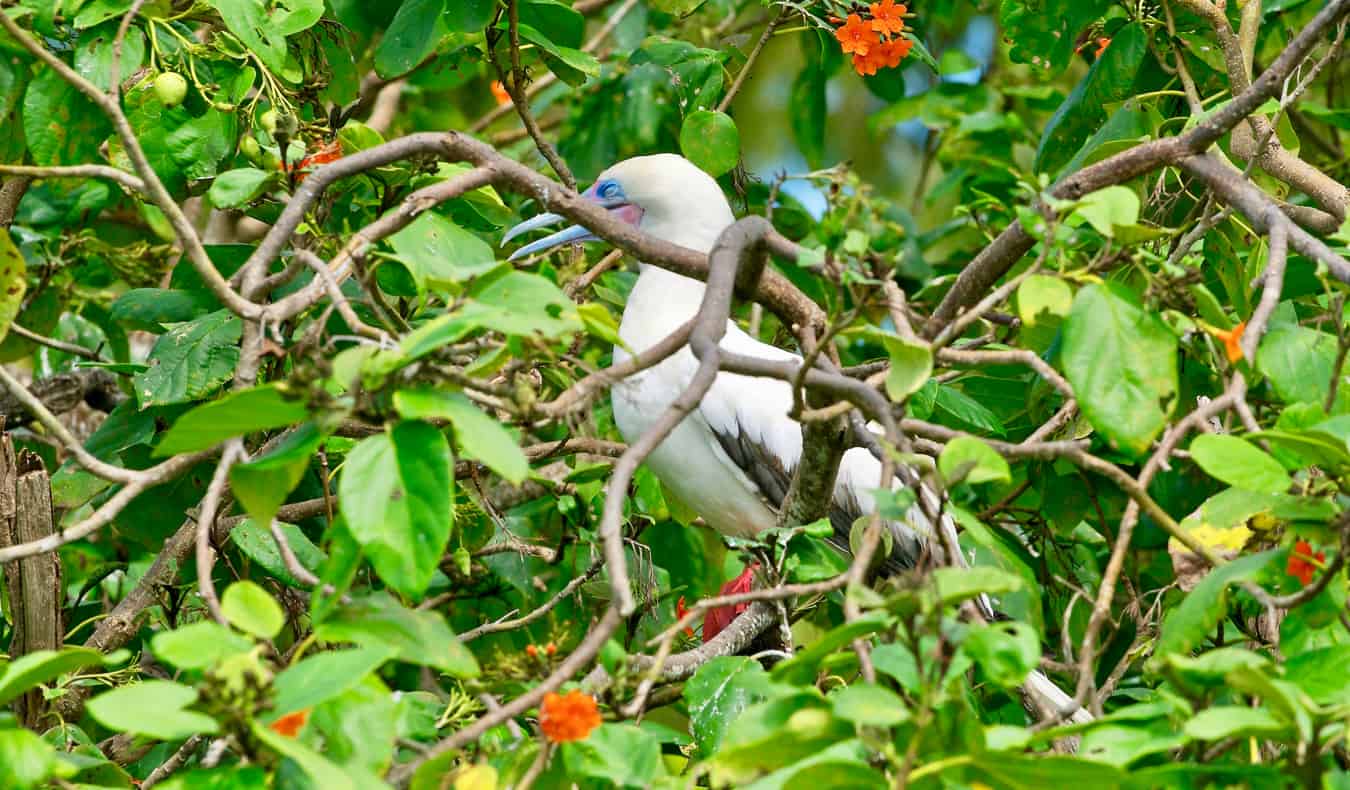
660	303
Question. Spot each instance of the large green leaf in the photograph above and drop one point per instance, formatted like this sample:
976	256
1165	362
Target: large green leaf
711	140
154	708
191	360
1239	463
255	540
263	484
1108	81
718	692
263	25
413	34
246	411
27	761
42	666
1186	626
620	755
252	609
439	253
62	125
1122	362
1299	361
324	676
480	437
13	281
396	495
417	635
199	645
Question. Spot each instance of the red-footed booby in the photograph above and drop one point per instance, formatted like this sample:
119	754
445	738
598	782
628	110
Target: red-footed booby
732	459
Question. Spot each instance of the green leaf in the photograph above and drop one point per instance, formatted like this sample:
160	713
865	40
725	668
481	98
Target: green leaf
1227	721
324	676
968	459
412	35
252	609
42	666
148	308
27	761
13	281
419	636
1007	652
396	494
62	125
1186	626
955	585
709	139
238	413
469	16
1239	463
573	66
199	645
911	366
153	708
263	26
1122	363
479	436
718	692
1110	208
237	188
620	755
321	771
255	540
263	484
1299	362
439	253
869	705
1110	80
190	360
93	56
1040	295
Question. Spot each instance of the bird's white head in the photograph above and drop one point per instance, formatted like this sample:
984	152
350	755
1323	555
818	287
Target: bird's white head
664	195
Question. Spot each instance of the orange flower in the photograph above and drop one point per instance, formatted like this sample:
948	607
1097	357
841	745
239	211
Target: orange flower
894	51
1232	341
531	651
856	37
1302	562
550	649
1102	44
888	19
499	92
568	717
680	612
867	65
290	724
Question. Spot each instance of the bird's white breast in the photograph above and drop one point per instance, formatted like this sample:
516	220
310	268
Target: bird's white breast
690	462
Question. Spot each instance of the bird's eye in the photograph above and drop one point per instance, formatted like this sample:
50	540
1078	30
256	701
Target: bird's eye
609	189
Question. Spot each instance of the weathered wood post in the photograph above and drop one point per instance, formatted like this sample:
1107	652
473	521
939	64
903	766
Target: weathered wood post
33	583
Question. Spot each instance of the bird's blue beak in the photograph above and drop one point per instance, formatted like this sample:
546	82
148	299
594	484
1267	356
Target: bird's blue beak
574	234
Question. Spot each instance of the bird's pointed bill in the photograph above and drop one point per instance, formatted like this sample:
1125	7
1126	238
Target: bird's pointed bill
572	235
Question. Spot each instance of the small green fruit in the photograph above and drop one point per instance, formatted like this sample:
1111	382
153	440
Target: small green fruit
269	121
250	149
171	88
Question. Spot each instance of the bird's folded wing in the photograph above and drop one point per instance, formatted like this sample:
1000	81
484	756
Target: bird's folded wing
748	417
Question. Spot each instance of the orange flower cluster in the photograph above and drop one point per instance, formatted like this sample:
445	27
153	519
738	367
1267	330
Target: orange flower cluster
499	93
330	152
1303	563
876	42
568	717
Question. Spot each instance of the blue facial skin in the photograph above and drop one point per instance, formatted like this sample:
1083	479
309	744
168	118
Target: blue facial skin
608	190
